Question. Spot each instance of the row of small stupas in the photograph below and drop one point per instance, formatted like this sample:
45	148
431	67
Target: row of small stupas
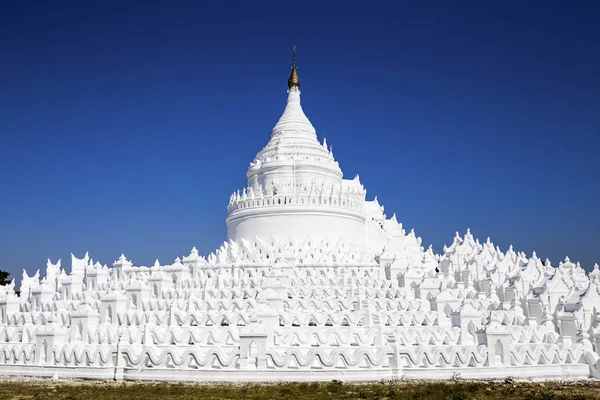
259	310
314	282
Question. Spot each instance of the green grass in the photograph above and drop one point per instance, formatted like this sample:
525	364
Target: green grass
92	390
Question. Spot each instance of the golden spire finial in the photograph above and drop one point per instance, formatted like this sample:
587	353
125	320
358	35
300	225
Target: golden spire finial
294	79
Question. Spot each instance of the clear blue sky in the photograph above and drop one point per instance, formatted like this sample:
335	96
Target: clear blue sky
125	126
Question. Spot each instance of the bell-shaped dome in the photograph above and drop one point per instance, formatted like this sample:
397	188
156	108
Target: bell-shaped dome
295	187
293	120
293	155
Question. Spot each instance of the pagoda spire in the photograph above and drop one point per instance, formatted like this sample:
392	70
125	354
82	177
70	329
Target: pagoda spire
294	79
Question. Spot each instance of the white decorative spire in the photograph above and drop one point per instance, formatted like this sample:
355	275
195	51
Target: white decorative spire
294	79
293	118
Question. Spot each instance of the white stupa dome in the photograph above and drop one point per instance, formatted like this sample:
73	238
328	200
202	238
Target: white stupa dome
295	187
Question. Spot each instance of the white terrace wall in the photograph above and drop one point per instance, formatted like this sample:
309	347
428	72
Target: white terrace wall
278	322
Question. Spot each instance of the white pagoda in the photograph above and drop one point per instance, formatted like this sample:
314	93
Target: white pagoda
314	282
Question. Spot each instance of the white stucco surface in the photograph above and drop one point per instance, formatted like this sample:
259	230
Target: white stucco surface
314	282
